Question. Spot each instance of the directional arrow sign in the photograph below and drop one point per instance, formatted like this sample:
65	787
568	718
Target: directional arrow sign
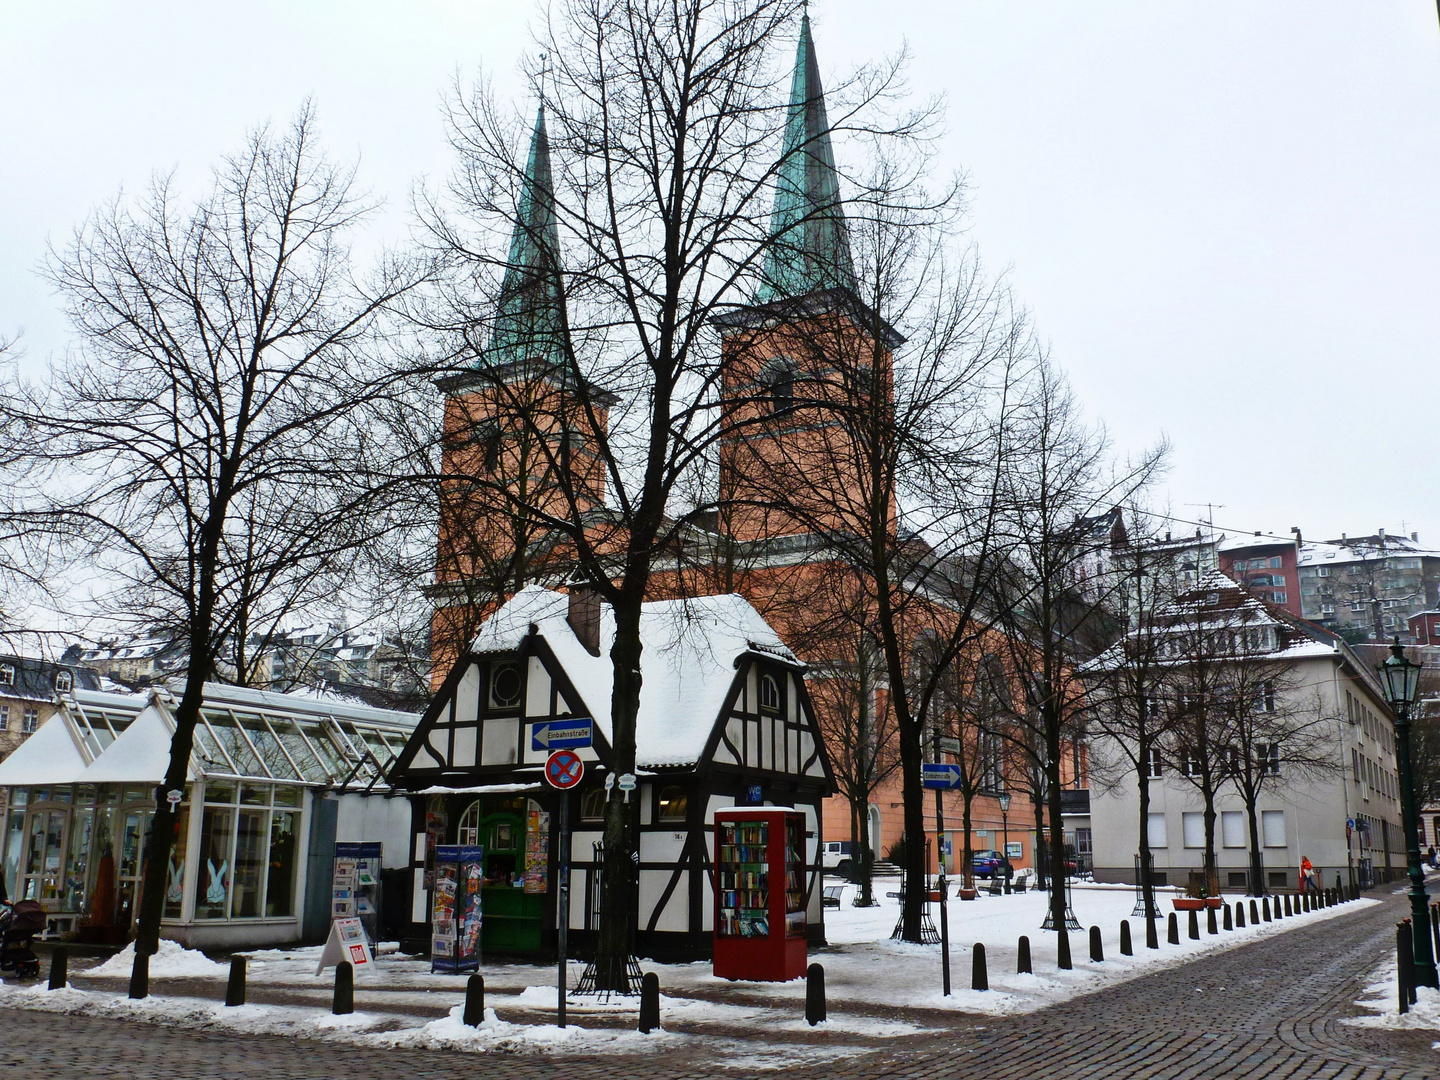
939	775
569	734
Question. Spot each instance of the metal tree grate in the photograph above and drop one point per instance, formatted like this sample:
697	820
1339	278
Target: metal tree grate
1140	912
928	934
588	985
1071	922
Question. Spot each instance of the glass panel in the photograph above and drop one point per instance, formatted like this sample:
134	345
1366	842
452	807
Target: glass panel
255	794
62	794
102	868
175	872
250	864
234	745
271	755
310	768
288	796
14	846
212	886
77	862
19	796
219	792
280	881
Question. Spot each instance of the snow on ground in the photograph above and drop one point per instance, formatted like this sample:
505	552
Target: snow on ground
172	960
867	975
1382	997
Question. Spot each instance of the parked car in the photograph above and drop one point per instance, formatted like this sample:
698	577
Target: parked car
835	855
989	863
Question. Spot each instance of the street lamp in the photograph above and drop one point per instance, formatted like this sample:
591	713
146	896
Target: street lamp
1005	825
1401	679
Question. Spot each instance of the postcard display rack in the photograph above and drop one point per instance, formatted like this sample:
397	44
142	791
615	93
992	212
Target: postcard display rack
760	894
457	917
355	893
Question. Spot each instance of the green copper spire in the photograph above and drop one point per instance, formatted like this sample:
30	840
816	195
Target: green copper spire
529	320
809	242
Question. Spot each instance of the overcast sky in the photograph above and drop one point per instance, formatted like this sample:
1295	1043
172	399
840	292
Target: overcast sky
1224	216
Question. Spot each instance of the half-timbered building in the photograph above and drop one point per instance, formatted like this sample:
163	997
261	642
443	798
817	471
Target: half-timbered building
724	720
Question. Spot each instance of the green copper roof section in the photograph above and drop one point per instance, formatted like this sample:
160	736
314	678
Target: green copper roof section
809	242
529	317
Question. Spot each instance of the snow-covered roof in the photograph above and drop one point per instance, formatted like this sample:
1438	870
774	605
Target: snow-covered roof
103	738
1331	554
690	649
1248	540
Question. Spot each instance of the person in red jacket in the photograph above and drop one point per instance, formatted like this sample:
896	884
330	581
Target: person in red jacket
1308	881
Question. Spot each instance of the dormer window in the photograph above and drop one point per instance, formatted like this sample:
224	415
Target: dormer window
769	694
64	682
7	674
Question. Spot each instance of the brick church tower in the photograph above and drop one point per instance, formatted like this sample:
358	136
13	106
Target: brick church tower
521	435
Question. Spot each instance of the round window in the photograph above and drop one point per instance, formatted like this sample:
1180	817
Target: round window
505	685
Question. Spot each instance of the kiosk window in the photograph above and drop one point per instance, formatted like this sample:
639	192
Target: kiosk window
672	803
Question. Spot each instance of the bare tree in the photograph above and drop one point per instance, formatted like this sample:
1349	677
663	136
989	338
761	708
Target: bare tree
206	438
650	221
1064	477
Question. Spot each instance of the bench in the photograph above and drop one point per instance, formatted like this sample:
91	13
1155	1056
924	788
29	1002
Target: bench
832	896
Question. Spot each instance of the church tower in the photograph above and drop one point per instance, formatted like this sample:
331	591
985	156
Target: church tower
807	362
521	433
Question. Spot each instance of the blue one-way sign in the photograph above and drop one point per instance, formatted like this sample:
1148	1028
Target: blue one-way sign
569	734
939	775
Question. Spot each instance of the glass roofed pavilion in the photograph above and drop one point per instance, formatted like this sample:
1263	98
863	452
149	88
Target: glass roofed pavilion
275	781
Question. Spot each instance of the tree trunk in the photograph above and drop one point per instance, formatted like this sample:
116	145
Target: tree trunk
1147	876
1057	835
617	889
969	851
1257	853
1041	854
866	862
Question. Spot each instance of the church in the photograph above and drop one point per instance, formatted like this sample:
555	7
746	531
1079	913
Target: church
804	348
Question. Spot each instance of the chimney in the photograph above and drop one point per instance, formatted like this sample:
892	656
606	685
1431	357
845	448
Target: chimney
1414	537
584	615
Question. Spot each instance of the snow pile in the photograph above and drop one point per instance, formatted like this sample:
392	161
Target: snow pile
1382	997
493	1034
172	960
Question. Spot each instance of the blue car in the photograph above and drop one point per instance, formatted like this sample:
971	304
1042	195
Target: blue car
989	864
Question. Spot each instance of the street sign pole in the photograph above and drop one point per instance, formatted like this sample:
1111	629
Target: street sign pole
563	903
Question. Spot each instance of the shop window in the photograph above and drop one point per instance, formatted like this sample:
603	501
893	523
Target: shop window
592	805
212	886
175	872
280	879
673	803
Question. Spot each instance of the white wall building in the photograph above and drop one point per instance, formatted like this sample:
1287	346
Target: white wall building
1299	815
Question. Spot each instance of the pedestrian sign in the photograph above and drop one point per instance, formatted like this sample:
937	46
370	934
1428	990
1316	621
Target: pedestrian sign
564	769
572	734
940	775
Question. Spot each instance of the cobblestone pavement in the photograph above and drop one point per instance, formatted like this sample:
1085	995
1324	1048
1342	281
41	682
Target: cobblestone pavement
1269	1009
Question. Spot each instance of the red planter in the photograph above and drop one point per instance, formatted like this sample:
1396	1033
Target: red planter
1217	902
1189	903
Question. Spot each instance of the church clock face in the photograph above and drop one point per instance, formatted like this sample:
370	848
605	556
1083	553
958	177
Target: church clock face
505	685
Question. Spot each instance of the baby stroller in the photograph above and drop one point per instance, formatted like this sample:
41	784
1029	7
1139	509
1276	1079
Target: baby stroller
19	923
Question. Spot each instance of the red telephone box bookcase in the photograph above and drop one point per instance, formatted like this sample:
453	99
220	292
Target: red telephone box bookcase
760	894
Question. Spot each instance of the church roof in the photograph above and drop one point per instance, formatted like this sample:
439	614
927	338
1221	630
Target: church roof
530	315
809	241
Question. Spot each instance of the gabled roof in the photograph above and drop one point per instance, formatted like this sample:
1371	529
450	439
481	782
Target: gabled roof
35	679
691	650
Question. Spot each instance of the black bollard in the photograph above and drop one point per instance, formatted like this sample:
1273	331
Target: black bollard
1229	920
1152	934
979	973
58	963
1062	950
814	994
1193	925
1435	926
1097	947
140	977
650	1002
474	1014
344	1001
1254	912
1288	910
1022	957
1405	964
1126	948
1309	901
1210	926
1265	908
235	987
1275	909
1174	935
1240	914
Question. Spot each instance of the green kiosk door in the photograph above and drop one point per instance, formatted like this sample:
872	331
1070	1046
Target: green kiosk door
517	850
